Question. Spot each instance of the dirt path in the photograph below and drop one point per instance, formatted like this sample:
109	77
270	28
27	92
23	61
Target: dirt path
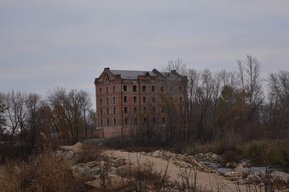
207	181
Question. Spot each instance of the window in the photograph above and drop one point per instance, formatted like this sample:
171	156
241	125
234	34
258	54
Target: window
153	88
125	120
114	110
144	109
101	122
100	111
107	100
124	88
153	100
134	88
100	90
107	111
100	101
107	122
114	121
180	88
162	88
125	99
144	99
154	109
181	99
125	109
163	120
113	88
144	88
134	99
135	109
113	99
106	89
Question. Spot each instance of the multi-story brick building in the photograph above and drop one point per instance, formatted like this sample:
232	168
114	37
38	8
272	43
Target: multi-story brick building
125	100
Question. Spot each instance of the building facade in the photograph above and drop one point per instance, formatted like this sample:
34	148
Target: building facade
126	101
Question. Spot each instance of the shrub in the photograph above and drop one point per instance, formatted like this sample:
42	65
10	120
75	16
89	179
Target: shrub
274	152
45	172
254	151
277	153
230	156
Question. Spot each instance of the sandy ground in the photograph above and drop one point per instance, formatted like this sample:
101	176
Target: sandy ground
207	181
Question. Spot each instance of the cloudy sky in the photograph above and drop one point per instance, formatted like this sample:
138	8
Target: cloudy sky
46	44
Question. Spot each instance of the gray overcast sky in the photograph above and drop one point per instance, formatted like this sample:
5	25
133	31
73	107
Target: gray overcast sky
66	43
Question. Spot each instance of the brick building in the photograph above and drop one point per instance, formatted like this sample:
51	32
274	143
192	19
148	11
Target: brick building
126	100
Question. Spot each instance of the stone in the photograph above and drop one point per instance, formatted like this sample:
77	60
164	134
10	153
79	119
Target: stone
231	164
233	175
93	171
280	177
252	178
240	169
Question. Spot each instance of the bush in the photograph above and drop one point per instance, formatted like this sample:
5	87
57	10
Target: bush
230	156
254	151
45	172
274	152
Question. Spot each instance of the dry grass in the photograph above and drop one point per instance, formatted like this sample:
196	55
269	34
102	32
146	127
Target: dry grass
44	173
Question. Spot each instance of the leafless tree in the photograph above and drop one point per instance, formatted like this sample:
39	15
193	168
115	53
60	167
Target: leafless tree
69	113
278	91
250	85
177	65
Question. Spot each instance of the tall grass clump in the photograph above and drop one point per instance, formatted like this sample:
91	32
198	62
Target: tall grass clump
44	173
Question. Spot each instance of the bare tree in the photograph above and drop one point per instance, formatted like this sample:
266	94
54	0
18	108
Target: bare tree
15	116
278	89
251	84
69	113
178	65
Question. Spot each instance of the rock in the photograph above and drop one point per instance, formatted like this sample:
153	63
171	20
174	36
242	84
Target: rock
240	169
93	171
156	153
240	181
74	148
77	170
280	177
116	180
253	178
233	176
231	164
